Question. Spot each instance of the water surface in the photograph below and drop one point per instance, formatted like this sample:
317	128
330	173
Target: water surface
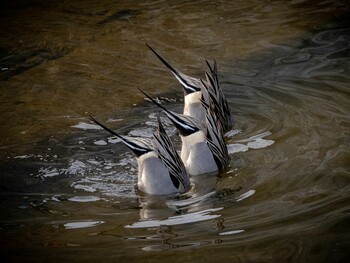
68	188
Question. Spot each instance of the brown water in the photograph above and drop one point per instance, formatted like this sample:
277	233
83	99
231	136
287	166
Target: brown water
67	188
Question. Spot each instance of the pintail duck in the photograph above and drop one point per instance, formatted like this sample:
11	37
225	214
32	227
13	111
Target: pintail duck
196	90
203	147
160	168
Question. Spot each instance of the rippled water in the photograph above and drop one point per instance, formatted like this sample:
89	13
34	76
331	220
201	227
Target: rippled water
68	188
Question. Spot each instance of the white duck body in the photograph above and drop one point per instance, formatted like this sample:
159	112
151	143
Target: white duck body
193	106
160	169
153	176
196	155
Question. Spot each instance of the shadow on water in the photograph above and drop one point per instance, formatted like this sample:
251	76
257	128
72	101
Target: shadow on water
68	188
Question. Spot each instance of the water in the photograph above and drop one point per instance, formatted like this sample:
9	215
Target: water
68	188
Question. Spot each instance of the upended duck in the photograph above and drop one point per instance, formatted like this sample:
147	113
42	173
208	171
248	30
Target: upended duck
203	147
196	90
160	168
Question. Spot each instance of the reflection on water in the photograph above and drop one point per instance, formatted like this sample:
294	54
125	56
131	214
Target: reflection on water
68	188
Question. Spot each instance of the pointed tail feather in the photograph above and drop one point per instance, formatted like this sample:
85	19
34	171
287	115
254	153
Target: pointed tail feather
137	149
184	124
181	77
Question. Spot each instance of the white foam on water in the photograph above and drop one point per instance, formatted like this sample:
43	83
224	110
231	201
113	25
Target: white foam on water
190	201
245	195
147	132
233	232
126	161
254	142
256	137
48	172
85	188
236	148
76	167
178	220
232	133
114	140
107	183
41	157
93	161
54	198
100	142
82	224
260	143
87	126
84	199
24	156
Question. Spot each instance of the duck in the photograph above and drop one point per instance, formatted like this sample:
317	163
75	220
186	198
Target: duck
203	149
213	94
196	90
160	168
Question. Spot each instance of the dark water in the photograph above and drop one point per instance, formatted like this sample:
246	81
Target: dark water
67	188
